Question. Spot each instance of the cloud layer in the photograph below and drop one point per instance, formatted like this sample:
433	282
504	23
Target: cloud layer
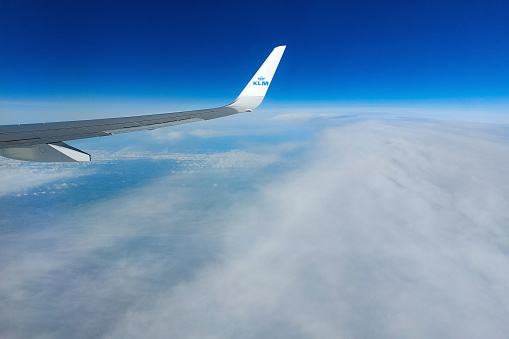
387	229
18	177
394	230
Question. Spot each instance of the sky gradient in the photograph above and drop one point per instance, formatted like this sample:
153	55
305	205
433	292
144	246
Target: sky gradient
362	50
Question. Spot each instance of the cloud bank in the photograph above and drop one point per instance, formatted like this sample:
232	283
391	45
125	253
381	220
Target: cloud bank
18	177
386	229
394	230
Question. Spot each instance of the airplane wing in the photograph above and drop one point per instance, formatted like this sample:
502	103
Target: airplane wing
43	142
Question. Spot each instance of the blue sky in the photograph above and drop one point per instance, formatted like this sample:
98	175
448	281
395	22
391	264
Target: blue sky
189	50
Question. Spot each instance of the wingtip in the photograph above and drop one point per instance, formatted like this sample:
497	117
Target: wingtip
255	91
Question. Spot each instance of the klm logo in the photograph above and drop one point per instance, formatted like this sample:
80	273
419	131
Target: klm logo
260	82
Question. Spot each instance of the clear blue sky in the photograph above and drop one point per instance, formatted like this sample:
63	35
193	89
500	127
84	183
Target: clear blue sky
350	50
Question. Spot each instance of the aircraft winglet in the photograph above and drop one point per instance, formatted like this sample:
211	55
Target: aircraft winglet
253	94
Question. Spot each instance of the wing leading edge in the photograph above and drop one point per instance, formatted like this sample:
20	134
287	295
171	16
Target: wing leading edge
43	142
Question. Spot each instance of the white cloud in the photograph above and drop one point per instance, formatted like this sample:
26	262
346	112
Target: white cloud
164	134
394	230
261	157
204	133
305	116
386	229
18	176
463	110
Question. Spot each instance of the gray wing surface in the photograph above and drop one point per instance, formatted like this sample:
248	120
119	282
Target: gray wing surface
43	142
43	133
